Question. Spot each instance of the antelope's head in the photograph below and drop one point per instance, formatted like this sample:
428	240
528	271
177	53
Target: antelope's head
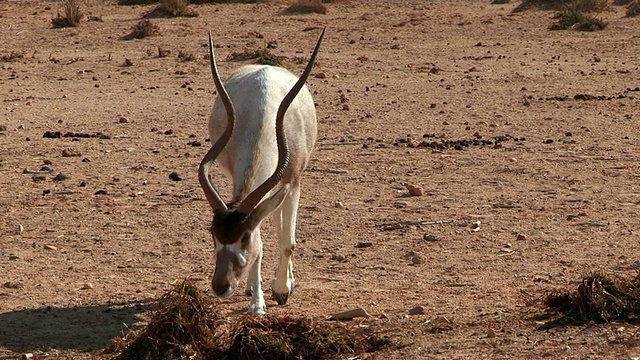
234	227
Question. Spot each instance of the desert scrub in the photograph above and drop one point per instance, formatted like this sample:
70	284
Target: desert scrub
577	20
633	9
306	7
177	8
71	14
263	56
143	29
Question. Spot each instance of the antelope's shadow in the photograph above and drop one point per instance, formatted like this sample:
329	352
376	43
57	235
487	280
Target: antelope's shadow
83	328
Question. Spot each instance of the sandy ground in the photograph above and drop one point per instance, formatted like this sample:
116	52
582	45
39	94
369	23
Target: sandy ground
84	255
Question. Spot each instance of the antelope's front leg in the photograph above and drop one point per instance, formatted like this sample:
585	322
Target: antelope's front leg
254	284
285	221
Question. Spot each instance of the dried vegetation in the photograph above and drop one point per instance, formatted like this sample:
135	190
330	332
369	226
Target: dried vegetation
71	14
261	56
144	28
306	7
598	298
187	325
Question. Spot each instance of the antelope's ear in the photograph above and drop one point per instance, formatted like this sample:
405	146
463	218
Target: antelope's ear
266	207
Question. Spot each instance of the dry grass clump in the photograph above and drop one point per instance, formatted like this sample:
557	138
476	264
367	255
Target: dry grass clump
540	4
306	7
577	20
576	15
177	8
143	29
262	56
136	2
172	8
187	325
588	6
284	338
633	9
184	325
71	15
599	298
12	56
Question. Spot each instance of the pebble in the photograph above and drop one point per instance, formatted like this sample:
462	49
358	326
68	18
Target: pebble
418	260
430	237
61	177
320	75
349	314
50	247
400	204
123	120
414	190
363	244
418	310
521	237
174	176
338	257
338	204
70	153
87	286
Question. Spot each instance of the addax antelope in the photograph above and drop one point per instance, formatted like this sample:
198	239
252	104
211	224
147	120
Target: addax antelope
264	120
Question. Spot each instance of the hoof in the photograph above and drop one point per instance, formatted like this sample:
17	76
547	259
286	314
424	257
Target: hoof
281	299
256	310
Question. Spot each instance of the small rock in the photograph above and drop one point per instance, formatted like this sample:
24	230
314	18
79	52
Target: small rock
320	75
70	153
363	244
418	260
50	247
12	285
414	190
27	356
521	237
400	204
174	176
490	333
47	162
101	192
505	250
168	132
338	204
13	257
548	141
338	257
61	177
430	237
123	120
349	314
418	310
87	286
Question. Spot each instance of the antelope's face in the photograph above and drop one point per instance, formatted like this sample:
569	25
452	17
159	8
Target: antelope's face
236	249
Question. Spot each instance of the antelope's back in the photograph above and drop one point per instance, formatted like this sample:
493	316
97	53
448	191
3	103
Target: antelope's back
256	92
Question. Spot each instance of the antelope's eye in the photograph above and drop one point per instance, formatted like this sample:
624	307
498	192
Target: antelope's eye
246	238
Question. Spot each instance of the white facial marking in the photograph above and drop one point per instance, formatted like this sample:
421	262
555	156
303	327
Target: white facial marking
234	249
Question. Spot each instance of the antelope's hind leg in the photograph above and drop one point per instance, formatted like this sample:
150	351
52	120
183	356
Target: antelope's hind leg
285	221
